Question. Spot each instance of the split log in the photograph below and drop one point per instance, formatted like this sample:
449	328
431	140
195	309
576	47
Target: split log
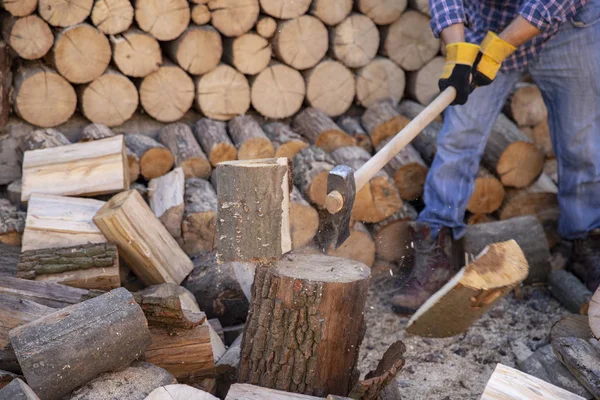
86	169
358	247
511	155
498	269
572	325
155	159
249	53
408	170
266	27
227	368
383	121
378	199
382	12
286	142
507	381
12	223
527	106
285	9
391	236
541	137
223	93
198	49
44	108
304	220
355	41
30	37
179	392
409	41
167	94
170	306
378	80
15	312
45	345
311	167
18	390
422	85
112	16
301	42
48	294
89	266
42	139
278	91
328	297
233	17
570	291
488	193
254	210
330	87
217	290
243	391
178	138
65	13
166	200
81	53
581	358
249	138
110	99
6	84
212	136
163	19
426	141
331	12
19	8
147	247
199	227
528	234
133	383
551	169
9	259
135	53
320	130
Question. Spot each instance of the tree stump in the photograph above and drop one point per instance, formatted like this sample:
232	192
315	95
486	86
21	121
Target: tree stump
382	12
249	53
304	220
233	17
266	27
178	138
155	159
352	126
198	49
112	16
311	168
165	195
287	143
422	85
136	53
330	87
285	9
300	43
355	41
249	138
30	37
167	94
199	228
331	12
278	91
163	19
65	13
305	288
488	194
223	93
380	79
212	136
320	130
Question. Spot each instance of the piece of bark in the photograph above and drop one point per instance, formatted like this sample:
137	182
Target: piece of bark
9	259
408	170
409	41
167	93
331	12
287	142
43	346
249	138
89	266
304	220
330	87
179	392
63	14
43	139
166	200
355	41
199	227
16	312
249	53
488	193
212	136
60	221
5	89
358	247
233	18
382	12
572	325
322	293
498	269
421	85
223	93
527	106
43	108
301	42
380	79
168	305
352	126
147	247
163	19
391	236
311	168
18	390
511	155
12	223
133	383
85	169
20	8
45	293
155	159
136	53
197	50
528	234
278	91
112	16
426	141
178	138
30	37
379	198
570	291
244	391
383	121
200	14
582	360
266	27
319	129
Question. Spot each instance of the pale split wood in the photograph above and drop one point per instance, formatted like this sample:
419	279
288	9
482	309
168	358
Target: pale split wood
112	16
311	167
197	50
19	8
320	130
352	126
200	14
488	193
163	19
178	138
199	227
286	141
85	169
380	79
30	37
300	43
167	94
179	392
330	87
165	195
382	12
62	13
278	91
212	136
136	53
244	391
223	93
233	17
422	85
331	12
266	27
285	9
359	246
355	41
249	138
304	220
249	53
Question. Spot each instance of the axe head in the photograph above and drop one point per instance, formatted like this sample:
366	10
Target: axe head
336	227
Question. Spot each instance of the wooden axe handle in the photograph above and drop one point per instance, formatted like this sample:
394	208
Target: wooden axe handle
335	202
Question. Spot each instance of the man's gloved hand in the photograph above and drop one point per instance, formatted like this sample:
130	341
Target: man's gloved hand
457	70
492	53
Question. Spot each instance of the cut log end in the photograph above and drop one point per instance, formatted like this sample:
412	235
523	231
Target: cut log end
487	196
223	93
167	94
65	13
30	37
301	43
163	19
377	200
379	80
136	53
410	180
355	41
266	27
112	16
520	164
156	162
278	91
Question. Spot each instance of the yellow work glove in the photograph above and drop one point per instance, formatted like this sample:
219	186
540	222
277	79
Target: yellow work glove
493	51
457	70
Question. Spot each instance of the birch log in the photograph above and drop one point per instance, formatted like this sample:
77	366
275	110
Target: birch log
199	228
165	195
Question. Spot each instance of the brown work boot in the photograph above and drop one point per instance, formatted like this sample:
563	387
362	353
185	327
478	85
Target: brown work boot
434	262
585	259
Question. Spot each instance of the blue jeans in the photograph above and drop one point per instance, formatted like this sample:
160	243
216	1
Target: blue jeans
567	71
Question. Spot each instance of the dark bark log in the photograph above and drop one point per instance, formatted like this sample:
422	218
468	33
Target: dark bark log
353	127
570	291
9	259
311	167
582	359
304	220
212	136
392	241
426	141
155	159
383	121
249	138
16	312
408	170
319	129
5	83
18	390
12	223
46	293
178	138
572	325
199	227
287	142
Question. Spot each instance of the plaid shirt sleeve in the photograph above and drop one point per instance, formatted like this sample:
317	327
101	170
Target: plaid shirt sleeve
544	14
445	13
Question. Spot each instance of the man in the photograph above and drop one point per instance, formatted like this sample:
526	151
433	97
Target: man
490	44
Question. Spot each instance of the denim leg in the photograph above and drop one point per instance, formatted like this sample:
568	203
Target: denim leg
460	145
568	74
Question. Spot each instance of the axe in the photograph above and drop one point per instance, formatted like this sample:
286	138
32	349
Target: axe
343	183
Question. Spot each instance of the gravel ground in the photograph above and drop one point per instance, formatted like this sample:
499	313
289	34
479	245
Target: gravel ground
459	367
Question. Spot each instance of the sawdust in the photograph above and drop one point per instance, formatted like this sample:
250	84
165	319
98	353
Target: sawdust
459	367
